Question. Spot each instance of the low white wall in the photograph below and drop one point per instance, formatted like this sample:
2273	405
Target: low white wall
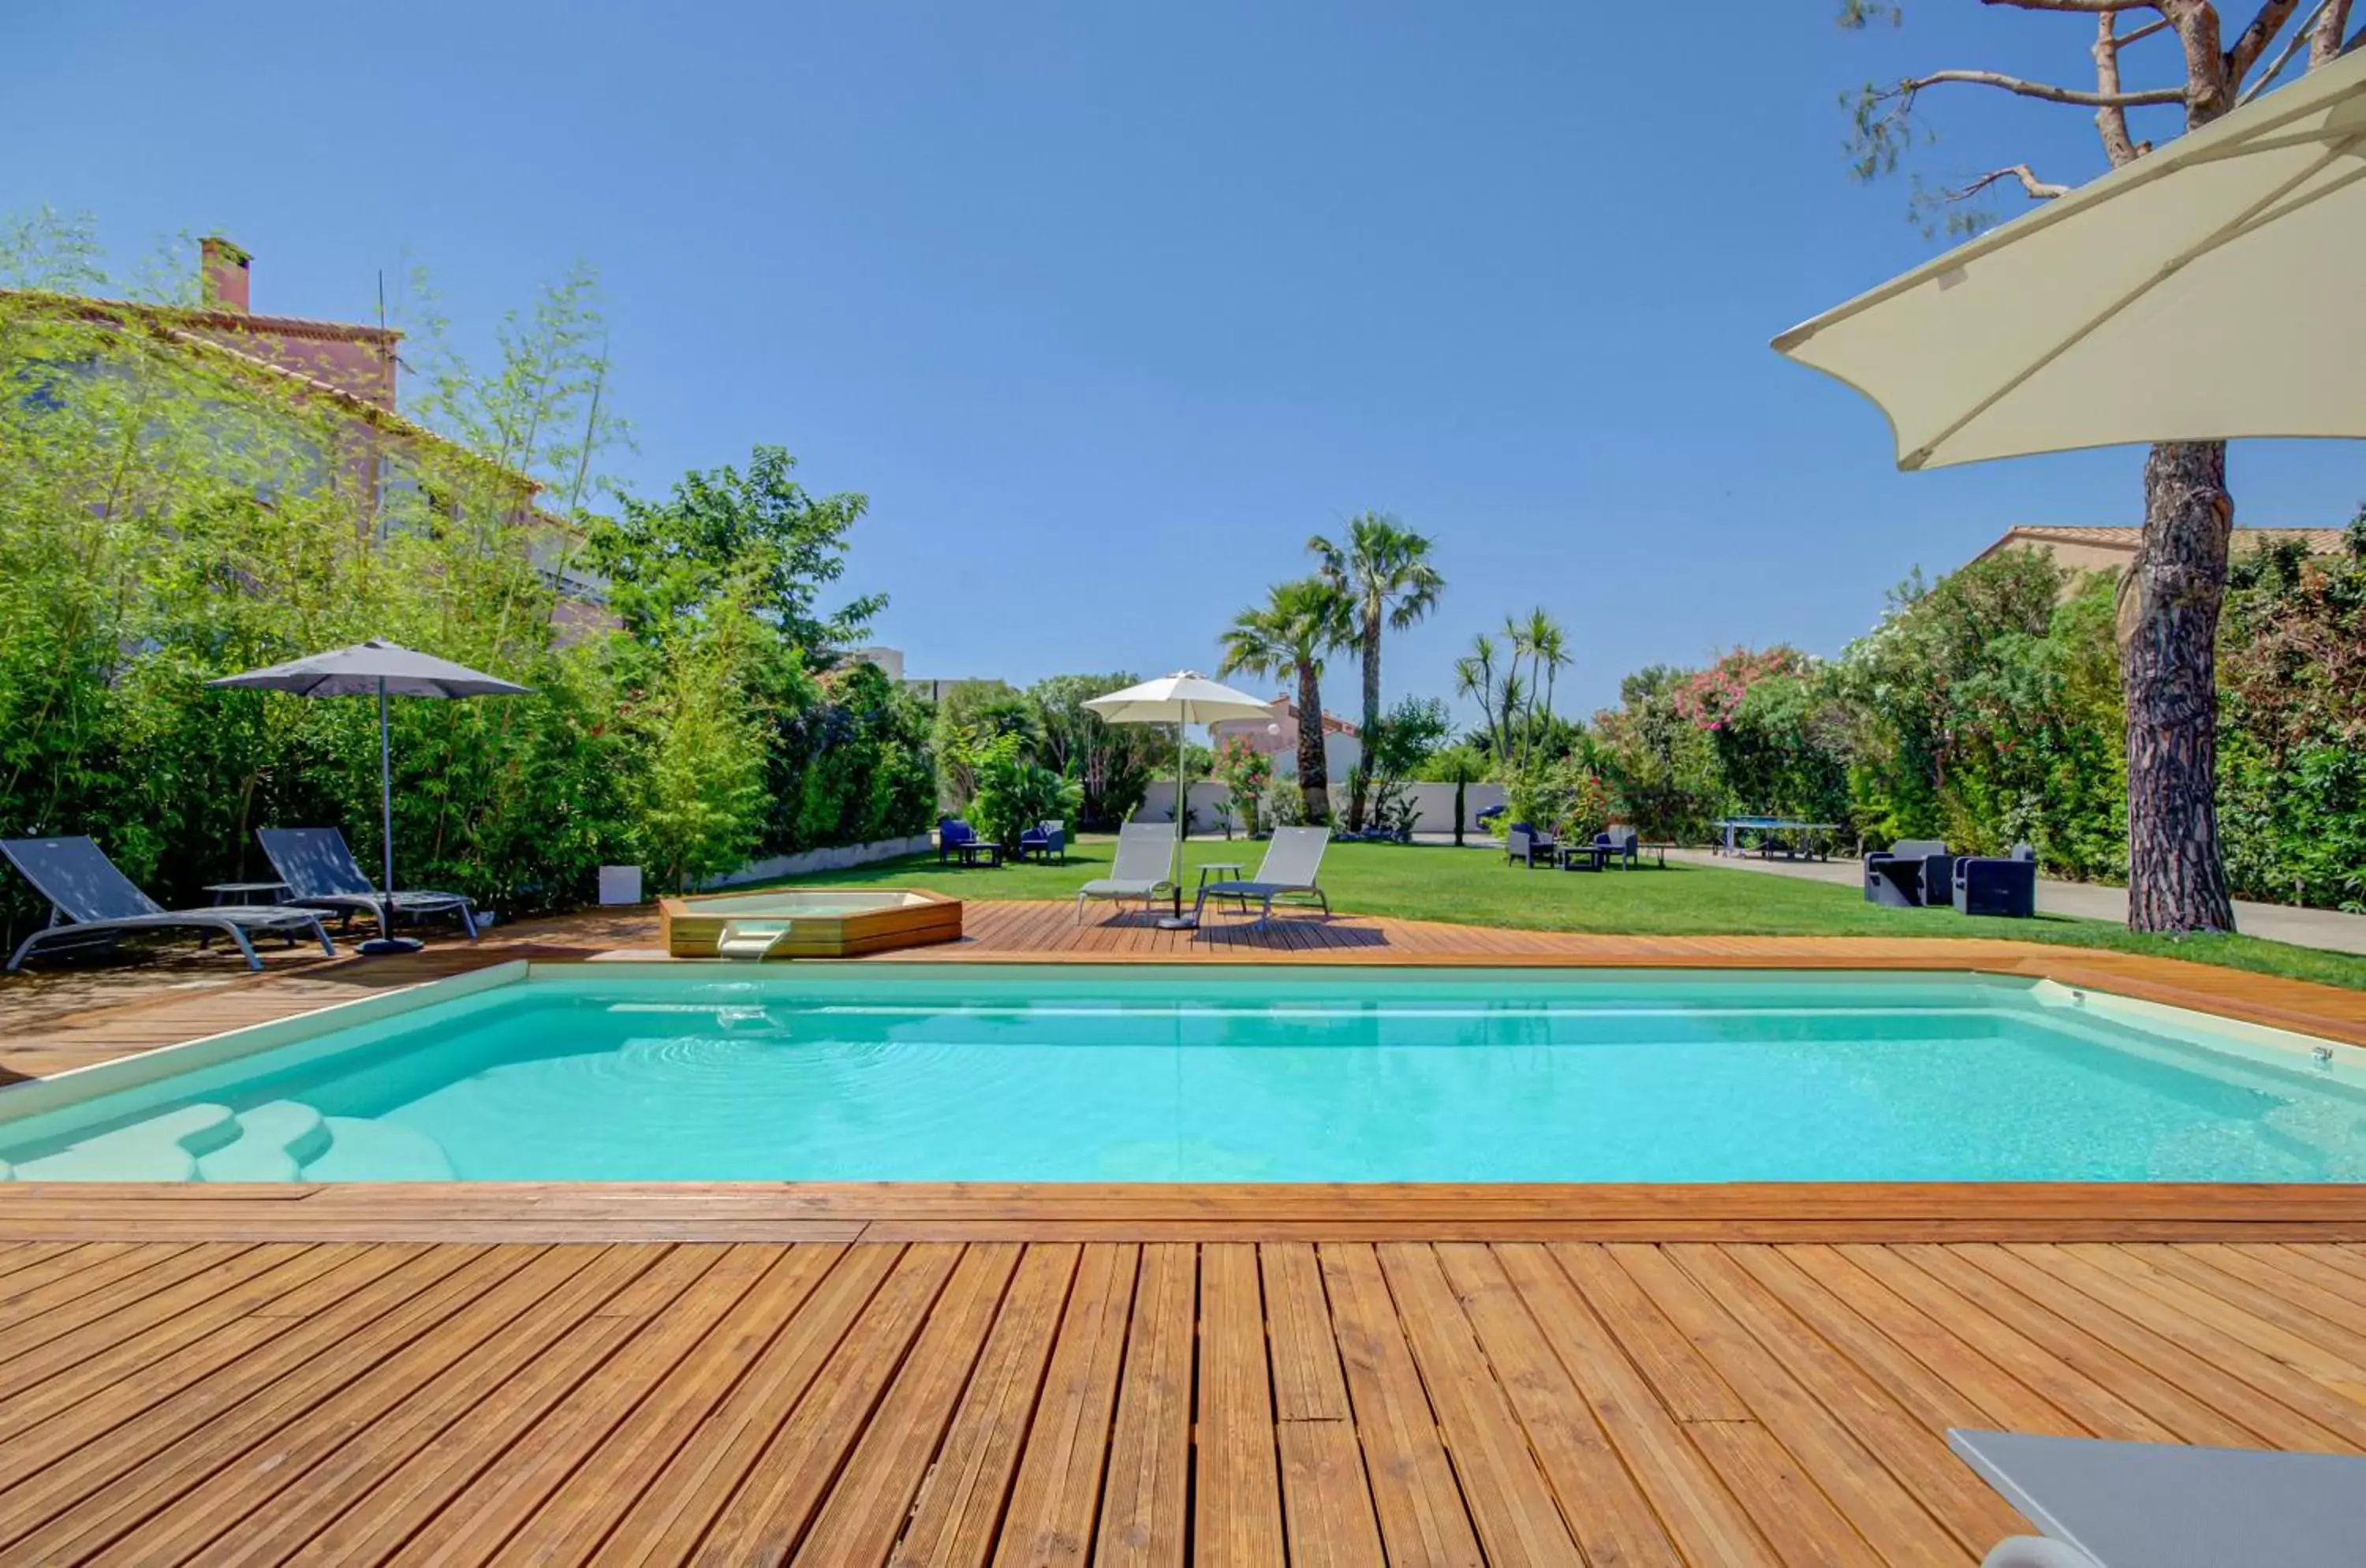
1433	804
1208	799
839	858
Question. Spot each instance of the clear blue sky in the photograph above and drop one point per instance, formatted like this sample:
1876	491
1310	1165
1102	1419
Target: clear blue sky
1109	306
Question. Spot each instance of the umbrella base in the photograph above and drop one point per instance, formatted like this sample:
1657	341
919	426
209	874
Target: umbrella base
383	946
1178	922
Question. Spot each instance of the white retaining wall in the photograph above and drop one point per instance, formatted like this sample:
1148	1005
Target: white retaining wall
838	858
1433	804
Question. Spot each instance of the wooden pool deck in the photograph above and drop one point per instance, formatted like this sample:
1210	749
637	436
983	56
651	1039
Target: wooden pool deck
978	1374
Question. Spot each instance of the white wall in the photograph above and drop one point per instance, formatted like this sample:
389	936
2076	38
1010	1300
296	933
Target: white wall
1433	802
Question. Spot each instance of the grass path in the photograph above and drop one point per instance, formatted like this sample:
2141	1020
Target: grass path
1474	886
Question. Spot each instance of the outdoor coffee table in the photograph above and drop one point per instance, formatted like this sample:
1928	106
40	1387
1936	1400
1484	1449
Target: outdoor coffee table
971	847
1233	866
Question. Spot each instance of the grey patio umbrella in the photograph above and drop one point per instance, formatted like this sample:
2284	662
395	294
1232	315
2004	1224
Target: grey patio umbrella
383	670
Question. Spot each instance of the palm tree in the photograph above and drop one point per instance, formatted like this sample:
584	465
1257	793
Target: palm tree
1548	647
1384	572
1474	677
1291	632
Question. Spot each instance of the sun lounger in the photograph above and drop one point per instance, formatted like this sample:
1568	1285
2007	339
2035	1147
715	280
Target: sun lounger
1145	855
93	905
321	873
2116	1504
1291	860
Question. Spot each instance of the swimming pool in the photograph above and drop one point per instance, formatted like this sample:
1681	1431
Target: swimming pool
939	1073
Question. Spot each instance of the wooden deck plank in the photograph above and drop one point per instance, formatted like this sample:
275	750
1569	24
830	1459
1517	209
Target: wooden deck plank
1421	1516
290	1452
1307	1383
571	1523
778	1498
2115	1394
2167	1357
692	1485
1701	1515
101	1490
1146	1487
305	1506
1842	1465
1055	1500
2205	1325
960	1506
1599	1501
1238	1498
867	1509
1510	1504
357	1404
1855	1400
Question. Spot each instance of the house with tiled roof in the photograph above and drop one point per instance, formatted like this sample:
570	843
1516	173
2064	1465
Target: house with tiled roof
2111	549
350	370
1276	736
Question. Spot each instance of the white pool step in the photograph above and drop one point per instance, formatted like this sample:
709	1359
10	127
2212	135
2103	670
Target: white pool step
378	1150
163	1148
274	1145
281	1141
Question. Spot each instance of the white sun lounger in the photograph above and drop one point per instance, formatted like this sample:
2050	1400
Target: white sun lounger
1291	863
2114	1505
1145	857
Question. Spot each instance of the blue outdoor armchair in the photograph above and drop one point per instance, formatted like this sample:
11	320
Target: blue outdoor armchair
951	834
1993	886
1910	874
1045	840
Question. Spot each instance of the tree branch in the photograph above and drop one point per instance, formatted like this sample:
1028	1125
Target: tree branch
2045	90
2112	119
2325	46
2308	33
2039	190
2081	6
2253	41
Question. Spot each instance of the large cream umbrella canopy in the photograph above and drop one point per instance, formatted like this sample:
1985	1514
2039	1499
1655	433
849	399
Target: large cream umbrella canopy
2209	290
1185	697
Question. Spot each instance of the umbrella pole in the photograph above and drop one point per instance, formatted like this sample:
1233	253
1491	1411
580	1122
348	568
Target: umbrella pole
378	946
385	795
1182	818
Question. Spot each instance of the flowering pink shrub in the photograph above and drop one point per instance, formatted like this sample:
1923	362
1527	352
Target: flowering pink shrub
1708	698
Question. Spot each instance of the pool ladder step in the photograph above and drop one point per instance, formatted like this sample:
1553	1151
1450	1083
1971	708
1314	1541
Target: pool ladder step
751	939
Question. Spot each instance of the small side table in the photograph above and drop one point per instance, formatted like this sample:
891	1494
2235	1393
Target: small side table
245	892
971	847
1231	865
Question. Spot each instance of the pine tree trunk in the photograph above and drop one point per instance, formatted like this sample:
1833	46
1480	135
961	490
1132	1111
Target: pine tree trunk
1314	779
2169	642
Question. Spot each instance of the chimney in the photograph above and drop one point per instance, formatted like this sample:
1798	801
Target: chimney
221	275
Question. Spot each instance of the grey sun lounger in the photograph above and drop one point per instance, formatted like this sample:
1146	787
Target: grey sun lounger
93	905
1146	854
1291	862
321	873
2114	1505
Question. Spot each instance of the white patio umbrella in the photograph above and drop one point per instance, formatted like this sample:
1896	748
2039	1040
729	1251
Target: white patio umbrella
2204	292
1185	697
381	668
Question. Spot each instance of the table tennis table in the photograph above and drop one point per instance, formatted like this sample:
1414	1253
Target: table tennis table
1806	841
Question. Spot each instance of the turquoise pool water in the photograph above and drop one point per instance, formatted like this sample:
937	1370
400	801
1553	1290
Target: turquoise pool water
855	1071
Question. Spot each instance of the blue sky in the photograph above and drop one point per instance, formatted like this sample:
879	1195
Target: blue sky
1107	307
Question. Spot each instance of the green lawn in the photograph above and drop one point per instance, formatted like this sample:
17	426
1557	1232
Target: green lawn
1475	888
